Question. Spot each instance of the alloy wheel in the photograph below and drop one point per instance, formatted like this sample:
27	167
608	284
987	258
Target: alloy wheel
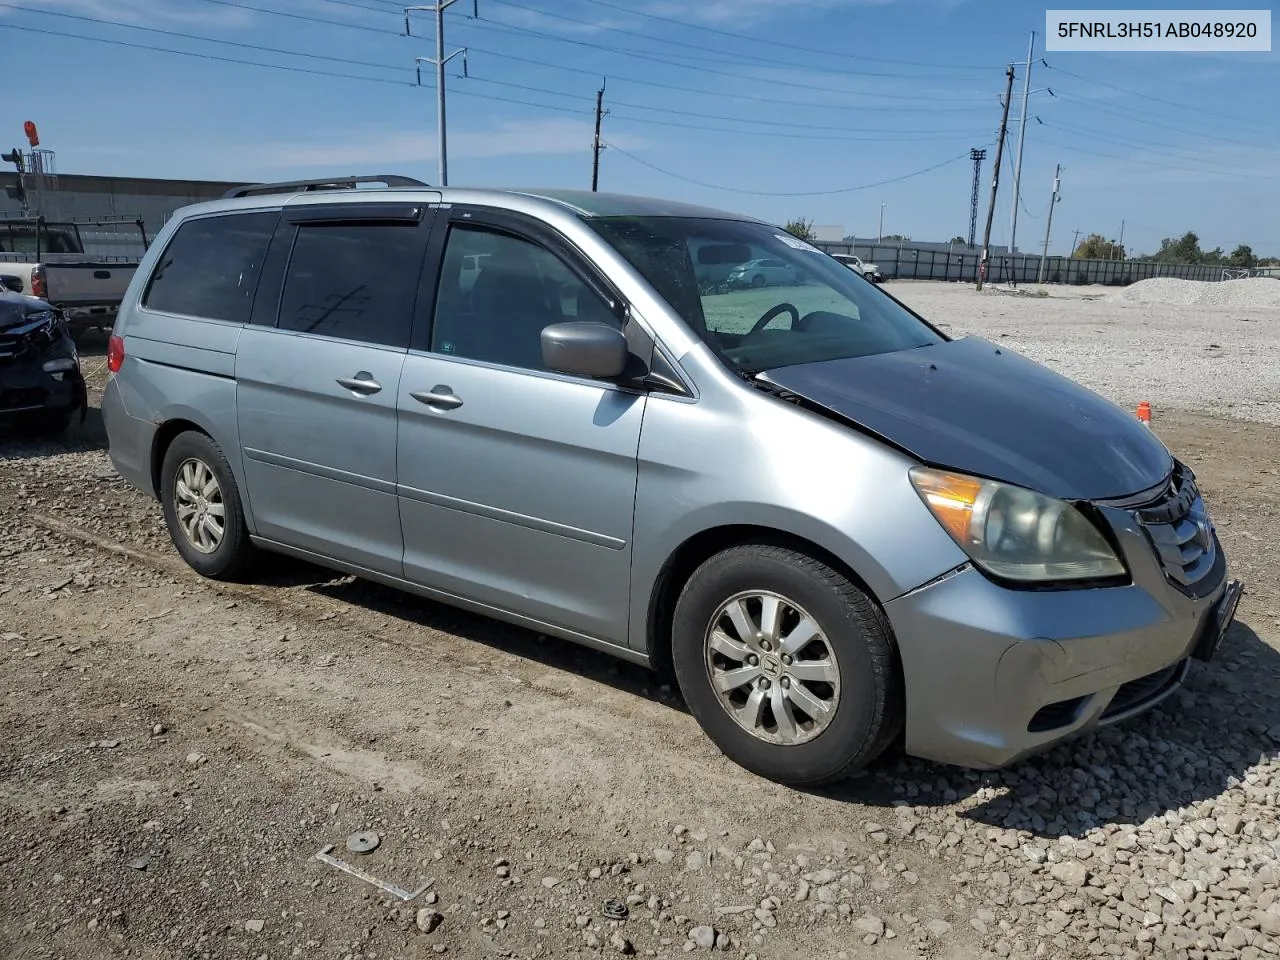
772	668
197	500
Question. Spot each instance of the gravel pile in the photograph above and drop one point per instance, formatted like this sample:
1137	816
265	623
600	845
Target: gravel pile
1200	358
1249	293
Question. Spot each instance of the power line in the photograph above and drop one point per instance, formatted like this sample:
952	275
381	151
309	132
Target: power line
771	124
303	17
925	135
205	56
644	55
1144	118
677	43
686	90
1170	103
799	193
203	39
790	46
1147	146
1162	165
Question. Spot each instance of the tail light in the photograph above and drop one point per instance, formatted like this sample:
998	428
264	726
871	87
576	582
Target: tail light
39	286
115	353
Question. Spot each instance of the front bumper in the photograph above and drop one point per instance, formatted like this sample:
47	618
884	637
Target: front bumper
994	675
28	391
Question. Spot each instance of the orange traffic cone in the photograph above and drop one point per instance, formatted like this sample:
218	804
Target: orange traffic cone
1144	413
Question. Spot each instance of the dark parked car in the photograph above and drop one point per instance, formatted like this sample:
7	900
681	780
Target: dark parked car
40	381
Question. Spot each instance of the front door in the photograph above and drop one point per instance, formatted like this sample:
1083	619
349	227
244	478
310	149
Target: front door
317	381
517	485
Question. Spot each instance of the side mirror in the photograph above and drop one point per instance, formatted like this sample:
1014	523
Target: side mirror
584	349
9	282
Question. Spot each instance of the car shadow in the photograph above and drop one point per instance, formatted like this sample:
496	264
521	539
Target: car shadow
417	612
20	443
1192	747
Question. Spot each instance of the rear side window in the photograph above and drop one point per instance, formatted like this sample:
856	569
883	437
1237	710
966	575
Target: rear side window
210	267
356	281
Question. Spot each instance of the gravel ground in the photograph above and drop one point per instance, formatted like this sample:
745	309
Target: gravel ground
1219	360
174	752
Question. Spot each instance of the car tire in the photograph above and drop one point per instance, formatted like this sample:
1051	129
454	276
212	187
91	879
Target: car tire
864	704
196	484
757	281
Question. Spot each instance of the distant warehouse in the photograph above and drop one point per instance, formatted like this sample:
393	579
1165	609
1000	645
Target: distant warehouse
77	196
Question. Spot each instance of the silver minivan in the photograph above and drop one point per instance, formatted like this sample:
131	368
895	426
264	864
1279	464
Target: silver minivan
841	527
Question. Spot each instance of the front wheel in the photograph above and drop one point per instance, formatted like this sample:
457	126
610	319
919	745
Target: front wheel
757	281
202	508
788	666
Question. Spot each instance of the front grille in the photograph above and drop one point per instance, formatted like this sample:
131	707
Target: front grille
17	398
1180	531
1145	689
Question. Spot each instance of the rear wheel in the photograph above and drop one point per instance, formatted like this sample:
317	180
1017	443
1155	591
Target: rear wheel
787	665
202	508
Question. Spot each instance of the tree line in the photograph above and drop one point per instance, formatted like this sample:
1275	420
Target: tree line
1183	249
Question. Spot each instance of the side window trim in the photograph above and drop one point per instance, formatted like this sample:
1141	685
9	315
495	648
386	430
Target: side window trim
518	227
265	311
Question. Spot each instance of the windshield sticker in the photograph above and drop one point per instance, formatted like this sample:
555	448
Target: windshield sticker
795	243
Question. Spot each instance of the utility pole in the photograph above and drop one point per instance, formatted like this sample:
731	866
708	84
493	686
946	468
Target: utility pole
595	152
977	155
1121	250
439	61
880	232
1053	199
1022	135
1075	243
995	177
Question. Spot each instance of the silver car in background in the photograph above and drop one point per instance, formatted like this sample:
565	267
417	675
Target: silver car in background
841	527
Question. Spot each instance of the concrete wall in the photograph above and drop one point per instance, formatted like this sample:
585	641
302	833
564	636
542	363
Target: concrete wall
88	196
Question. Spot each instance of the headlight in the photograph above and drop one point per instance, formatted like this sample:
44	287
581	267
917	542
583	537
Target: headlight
60	365
1015	533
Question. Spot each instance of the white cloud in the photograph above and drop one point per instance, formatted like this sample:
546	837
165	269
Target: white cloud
730	13
509	138
153	12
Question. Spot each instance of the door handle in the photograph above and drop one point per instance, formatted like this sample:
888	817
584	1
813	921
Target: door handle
439	396
362	382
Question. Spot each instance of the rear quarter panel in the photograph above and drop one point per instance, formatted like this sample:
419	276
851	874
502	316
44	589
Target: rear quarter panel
177	368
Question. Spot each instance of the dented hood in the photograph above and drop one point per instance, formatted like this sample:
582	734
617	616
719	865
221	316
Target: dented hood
971	406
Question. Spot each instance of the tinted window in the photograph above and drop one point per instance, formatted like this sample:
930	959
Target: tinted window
210	267
496	294
356	281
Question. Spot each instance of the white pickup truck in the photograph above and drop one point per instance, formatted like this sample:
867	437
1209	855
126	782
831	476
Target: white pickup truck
868	270
48	259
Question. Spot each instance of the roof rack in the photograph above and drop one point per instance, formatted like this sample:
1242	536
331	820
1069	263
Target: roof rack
343	183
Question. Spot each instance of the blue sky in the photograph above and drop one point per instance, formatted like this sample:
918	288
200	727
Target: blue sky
776	108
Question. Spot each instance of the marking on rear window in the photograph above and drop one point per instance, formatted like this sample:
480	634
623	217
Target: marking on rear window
795	243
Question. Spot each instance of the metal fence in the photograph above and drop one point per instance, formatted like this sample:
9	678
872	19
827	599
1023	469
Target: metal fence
906	262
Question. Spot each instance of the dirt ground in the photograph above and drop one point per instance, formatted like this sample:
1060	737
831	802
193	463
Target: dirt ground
174	752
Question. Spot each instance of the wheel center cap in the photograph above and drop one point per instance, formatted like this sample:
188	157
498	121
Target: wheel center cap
771	666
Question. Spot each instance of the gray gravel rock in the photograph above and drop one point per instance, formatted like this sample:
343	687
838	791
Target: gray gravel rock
427	920
704	937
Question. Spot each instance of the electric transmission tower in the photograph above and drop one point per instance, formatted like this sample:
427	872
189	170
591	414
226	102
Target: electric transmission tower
977	155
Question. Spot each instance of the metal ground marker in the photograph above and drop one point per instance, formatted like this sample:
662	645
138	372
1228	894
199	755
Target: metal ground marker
391	888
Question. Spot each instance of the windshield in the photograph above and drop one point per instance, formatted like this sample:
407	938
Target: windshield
758	296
